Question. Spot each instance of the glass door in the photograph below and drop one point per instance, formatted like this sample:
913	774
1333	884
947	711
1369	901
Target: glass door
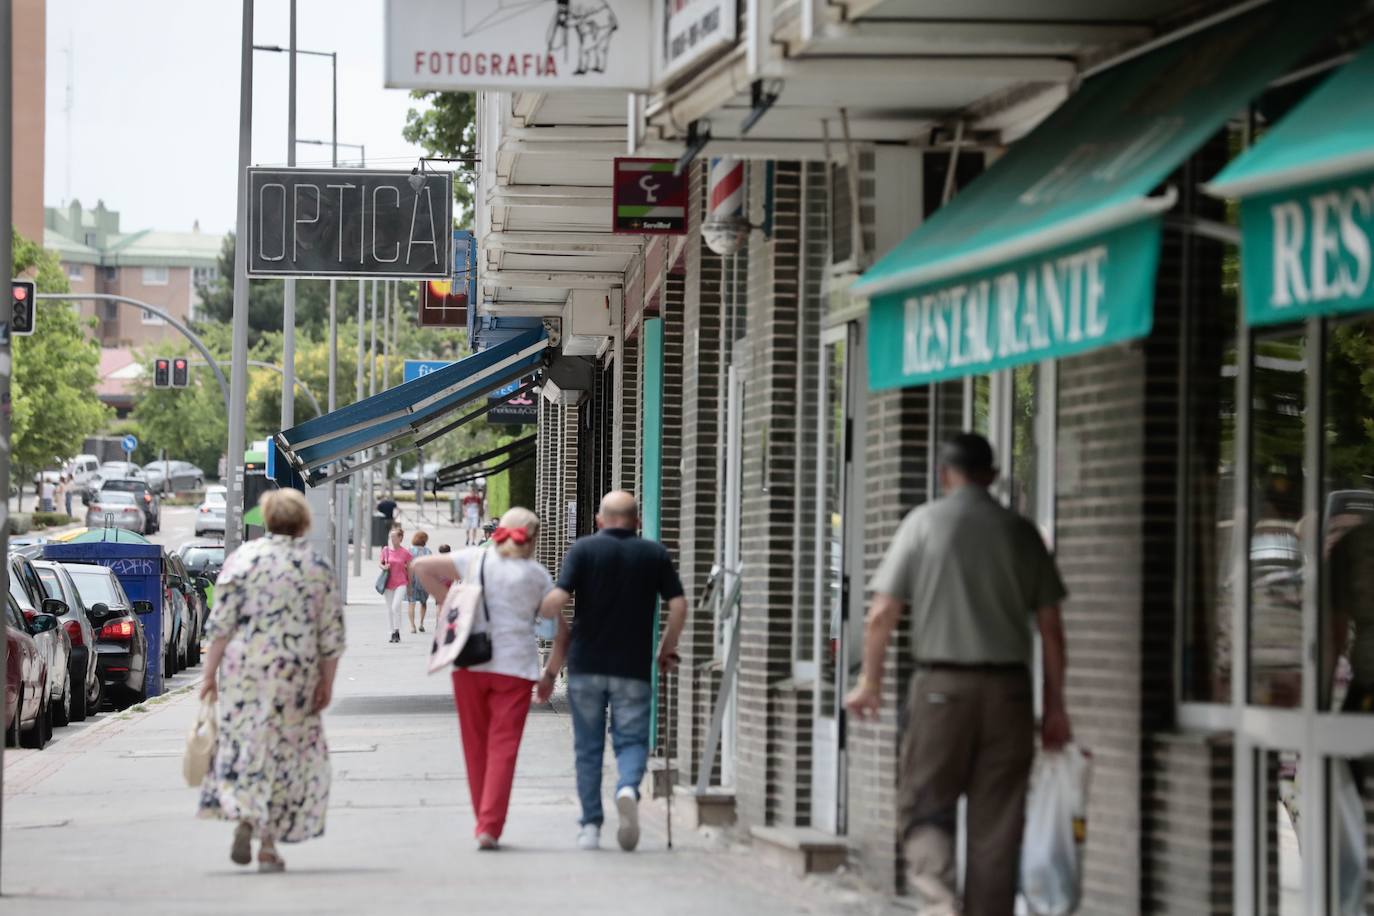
838	632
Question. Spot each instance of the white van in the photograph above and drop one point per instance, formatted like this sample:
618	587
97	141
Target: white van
82	468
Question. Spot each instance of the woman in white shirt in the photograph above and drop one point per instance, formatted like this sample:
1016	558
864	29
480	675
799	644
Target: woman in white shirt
493	699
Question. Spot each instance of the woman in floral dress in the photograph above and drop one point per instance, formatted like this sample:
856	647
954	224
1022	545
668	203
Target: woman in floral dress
277	627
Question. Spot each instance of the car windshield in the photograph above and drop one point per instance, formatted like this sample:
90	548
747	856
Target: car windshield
198	558
98	587
215	498
121	486
111	496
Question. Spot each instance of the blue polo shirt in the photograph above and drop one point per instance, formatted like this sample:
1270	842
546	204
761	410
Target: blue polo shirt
618	578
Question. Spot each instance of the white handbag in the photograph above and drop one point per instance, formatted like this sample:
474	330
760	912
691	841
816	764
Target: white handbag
456	618
200	744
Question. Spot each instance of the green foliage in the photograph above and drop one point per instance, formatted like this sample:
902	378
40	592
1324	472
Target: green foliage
447	127
51	519
56	371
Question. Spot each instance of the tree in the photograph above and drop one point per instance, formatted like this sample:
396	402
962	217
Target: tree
265	300
56	371
447	128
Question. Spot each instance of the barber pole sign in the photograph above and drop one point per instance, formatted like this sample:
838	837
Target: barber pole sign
726	229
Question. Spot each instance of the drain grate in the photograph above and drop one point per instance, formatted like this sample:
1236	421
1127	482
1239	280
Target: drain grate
424	704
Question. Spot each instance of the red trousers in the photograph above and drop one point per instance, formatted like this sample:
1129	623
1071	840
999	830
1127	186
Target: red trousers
491	716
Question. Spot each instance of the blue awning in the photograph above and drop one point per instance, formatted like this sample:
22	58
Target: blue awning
399	411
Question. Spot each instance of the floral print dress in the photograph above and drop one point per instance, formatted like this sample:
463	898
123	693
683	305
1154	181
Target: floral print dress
276	603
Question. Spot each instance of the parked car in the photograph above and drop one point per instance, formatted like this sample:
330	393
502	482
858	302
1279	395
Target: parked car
203	561
407	479
121	645
27	591
112	470
181	580
27	721
173	476
210	513
86	684
152	507
28	545
116	508
178	649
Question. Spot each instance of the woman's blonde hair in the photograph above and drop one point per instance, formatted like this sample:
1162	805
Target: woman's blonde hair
420	539
286	512
515	518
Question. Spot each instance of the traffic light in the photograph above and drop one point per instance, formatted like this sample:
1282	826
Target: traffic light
22	311
180	372
162	371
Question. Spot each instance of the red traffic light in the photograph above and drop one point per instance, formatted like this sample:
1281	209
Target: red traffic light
21	291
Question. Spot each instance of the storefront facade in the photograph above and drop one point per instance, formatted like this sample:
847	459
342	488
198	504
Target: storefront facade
1178	388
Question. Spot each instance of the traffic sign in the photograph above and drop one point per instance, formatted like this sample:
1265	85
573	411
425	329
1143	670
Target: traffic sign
418	368
130	442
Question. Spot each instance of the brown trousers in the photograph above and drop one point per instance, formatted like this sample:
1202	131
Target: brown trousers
968	733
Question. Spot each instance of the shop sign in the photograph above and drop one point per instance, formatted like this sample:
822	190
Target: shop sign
413	369
539	45
1070	300
349	223
1308	251
515	411
692	30
647	198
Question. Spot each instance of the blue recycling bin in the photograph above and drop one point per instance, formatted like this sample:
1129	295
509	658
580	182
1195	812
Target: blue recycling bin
139	570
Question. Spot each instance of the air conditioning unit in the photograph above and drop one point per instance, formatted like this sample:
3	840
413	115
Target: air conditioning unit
591	319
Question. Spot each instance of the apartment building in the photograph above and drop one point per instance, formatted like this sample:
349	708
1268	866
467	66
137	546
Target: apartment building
161	268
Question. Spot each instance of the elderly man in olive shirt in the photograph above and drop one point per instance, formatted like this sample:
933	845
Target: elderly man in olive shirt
973	574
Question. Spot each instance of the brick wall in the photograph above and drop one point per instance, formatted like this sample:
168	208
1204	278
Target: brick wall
768	484
703	425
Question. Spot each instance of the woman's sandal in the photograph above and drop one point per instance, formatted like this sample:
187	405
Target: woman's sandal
241	853
269	861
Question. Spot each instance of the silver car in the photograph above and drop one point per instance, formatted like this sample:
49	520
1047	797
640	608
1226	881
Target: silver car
173	476
210	513
116	508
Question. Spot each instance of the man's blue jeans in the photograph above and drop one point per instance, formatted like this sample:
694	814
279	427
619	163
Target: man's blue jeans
590	695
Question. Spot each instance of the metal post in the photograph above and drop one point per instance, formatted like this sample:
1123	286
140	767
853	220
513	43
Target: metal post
372	385
335	492
388	288
288	315
6	364
238	388
356	485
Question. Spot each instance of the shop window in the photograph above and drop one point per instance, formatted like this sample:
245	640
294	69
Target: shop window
1346	681
1278	471
1026	443
982	405
1209	548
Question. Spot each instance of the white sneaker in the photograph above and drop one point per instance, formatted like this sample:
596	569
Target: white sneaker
589	837
627	804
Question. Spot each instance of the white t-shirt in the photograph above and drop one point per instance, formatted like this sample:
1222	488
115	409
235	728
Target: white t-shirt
512	589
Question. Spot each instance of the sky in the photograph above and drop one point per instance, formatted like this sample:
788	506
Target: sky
155	102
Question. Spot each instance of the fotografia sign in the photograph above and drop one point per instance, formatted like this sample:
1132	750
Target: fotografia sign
349	223
647	198
465	45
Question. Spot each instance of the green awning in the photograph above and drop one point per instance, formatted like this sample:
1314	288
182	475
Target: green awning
1053	250
1307	204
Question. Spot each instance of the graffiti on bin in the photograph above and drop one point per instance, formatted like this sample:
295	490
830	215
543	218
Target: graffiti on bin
134	566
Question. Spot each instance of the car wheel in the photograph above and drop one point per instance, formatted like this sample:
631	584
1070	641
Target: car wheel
80	702
36	736
12	733
62	712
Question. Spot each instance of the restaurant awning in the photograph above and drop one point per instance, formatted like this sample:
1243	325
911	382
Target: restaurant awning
400	411
1053	250
1307	204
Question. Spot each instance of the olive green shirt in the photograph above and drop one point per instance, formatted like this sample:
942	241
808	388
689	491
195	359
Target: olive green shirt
972	573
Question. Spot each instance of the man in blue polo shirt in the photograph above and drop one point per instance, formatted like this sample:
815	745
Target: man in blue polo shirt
618	578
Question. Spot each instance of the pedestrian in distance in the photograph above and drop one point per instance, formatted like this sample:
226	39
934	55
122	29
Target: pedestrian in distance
472	516
276	634
619	579
63	496
396	561
386	506
417	595
493	699
972	574
46	491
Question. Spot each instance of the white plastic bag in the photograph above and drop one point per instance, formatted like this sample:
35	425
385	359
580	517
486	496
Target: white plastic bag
1056	828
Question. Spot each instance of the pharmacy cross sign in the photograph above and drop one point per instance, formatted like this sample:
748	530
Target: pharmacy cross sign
648	199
